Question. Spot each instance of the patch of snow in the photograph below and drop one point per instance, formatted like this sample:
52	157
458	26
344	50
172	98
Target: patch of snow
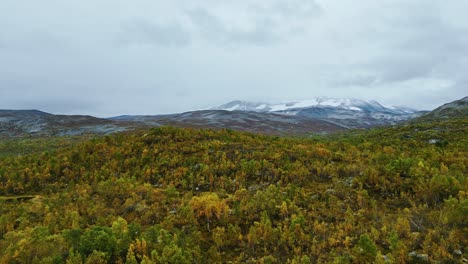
279	107
332	102
342	108
390	107
355	108
262	106
305	103
235	107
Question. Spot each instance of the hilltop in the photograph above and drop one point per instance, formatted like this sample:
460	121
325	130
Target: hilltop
452	110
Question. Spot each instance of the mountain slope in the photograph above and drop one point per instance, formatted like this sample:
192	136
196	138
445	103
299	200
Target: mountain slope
33	122
455	109
319	115
351	113
342	103
363	118
20	123
268	123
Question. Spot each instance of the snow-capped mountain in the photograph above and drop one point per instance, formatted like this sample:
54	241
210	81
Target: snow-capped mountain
243	106
343	103
318	115
345	112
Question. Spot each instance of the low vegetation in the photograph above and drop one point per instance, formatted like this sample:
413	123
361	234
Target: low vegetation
167	195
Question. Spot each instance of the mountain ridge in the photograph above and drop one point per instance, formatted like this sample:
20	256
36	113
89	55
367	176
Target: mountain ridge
346	103
346	112
454	109
321	115
268	123
15	123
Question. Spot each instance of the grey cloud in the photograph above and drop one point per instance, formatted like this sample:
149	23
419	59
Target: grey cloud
208	24
289	9
58	105
418	46
33	41
461	83
362	80
139	31
259	35
265	23
213	28
119	57
431	35
63	105
401	67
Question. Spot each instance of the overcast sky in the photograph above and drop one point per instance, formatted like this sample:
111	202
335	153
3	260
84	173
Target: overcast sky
112	57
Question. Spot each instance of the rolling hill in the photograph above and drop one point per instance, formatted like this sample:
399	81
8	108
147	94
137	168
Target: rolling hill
455	109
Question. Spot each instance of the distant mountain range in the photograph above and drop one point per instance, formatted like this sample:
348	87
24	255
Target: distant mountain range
349	113
319	115
342	103
268	123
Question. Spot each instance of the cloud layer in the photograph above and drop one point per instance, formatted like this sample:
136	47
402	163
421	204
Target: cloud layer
147	57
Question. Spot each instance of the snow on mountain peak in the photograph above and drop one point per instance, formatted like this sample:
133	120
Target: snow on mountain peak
242	106
350	104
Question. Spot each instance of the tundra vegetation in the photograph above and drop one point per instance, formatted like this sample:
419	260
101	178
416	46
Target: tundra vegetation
166	195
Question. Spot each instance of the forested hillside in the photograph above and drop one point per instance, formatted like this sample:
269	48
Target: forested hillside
167	195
